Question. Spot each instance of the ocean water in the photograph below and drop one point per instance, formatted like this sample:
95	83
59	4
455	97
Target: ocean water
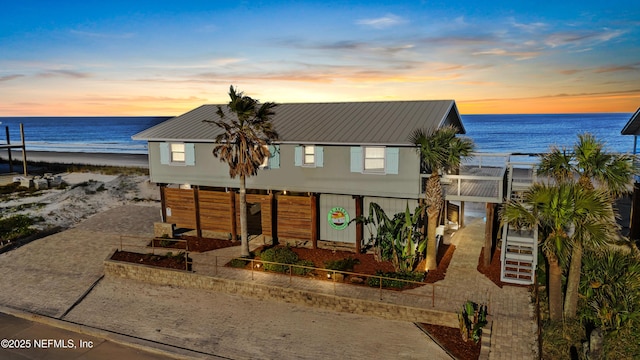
492	133
80	134
535	133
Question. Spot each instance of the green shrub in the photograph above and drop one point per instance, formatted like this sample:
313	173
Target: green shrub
303	271
283	255
341	264
238	263
396	284
15	227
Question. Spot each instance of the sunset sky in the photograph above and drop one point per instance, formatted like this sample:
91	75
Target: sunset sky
167	57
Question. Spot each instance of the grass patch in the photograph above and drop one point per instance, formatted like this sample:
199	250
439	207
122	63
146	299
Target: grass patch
15	227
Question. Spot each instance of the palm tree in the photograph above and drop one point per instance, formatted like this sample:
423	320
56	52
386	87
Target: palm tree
247	129
566	214
595	168
441	151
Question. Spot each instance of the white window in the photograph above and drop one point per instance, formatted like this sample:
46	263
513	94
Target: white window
309	155
374	159
178	153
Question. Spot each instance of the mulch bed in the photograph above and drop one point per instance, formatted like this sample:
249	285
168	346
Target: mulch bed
194	243
450	339
170	262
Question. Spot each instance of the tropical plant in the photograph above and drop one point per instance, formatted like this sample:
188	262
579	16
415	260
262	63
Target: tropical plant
610	287
440	150
247	129
397	239
596	169
472	318
565	214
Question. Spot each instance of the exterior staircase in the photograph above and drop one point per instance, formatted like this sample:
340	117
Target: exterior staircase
519	252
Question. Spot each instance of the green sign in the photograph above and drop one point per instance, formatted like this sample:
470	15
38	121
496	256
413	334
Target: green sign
338	218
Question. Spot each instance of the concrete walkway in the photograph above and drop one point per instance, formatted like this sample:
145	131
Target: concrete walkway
61	276
28	339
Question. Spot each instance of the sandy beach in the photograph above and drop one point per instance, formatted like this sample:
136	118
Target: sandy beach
80	158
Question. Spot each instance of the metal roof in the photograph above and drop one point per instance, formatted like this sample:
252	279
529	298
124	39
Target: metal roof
355	123
633	125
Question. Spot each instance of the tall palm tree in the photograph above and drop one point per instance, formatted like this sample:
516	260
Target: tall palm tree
595	168
440	150
565	214
247	129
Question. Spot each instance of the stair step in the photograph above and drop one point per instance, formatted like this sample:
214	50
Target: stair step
517	267
519	257
511	280
516	274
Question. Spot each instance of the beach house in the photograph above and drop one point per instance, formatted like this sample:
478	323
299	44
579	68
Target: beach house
331	161
632	127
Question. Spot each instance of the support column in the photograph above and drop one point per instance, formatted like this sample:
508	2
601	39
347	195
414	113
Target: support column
461	220
196	201
314	220
359	225
634	217
24	151
488	234
163	202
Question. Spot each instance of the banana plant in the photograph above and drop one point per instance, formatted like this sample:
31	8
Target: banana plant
397	239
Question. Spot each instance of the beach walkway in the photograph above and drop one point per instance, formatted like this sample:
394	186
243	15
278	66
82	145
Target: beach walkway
61	277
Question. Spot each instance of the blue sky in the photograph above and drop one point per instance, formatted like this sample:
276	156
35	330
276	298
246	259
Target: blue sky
165	58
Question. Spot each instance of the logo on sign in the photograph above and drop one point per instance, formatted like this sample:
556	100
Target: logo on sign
338	218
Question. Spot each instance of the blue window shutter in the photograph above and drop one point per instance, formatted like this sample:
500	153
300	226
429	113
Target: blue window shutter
319	156
356	159
274	158
190	154
391	160
164	153
298	156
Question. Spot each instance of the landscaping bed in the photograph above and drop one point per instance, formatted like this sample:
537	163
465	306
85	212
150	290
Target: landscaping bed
450	339
194	243
170	260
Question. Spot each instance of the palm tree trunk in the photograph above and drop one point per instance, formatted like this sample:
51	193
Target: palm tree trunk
555	288
573	282
432	218
244	243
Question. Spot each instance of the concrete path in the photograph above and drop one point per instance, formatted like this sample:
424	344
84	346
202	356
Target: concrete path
514	332
26	339
61	276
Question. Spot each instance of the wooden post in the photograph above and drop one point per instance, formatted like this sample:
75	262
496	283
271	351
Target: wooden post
196	201
314	221
461	220
634	217
163	202
9	149
359	225
488	234
24	150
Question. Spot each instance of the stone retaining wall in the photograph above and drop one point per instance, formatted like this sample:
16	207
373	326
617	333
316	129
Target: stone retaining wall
160	276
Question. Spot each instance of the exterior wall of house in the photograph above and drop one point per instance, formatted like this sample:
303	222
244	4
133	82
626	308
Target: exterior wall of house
334	177
334	226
